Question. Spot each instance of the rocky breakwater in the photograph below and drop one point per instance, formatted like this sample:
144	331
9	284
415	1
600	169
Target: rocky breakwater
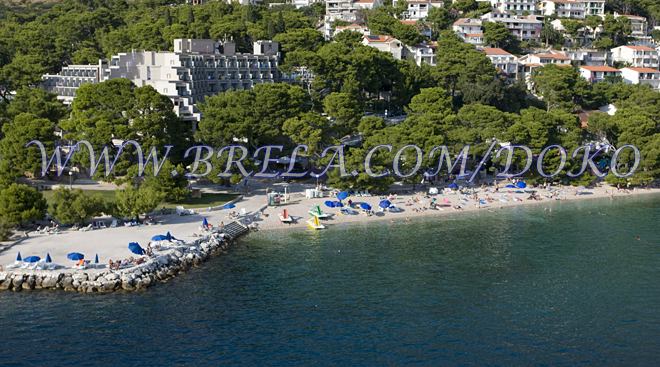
168	260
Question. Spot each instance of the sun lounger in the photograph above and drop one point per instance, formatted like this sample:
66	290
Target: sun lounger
180	210
113	224
86	229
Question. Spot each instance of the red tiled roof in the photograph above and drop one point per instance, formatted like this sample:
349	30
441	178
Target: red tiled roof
600	68
462	21
640	48
474	35
408	21
553	56
645	70
495	51
375	38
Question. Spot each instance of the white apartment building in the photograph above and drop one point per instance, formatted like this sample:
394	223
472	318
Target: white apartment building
469	30
422	53
514	6
564	8
71	77
594	7
648	76
596	74
546	58
304	3
197	68
505	62
637	56
590	57
354	27
525	28
386	44
419	9
638	25
340	10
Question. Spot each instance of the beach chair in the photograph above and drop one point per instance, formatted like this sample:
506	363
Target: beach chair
86	229
113	224
102	224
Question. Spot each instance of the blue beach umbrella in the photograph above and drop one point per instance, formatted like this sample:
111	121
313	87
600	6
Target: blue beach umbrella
342	195
521	184
96	259
384	204
18	257
75	256
48	259
338	204
136	248
205	223
32	259
329	204
228	206
365	206
453	186
510	186
159	237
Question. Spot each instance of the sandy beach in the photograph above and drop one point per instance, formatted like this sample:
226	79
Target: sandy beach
111	243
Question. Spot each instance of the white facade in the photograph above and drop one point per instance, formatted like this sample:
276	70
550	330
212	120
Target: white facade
419	9
70	78
386	44
564	8
469	30
638	25
525	28
637	56
422	54
596	74
642	76
541	59
196	69
502	60
352	27
590	57
304	3
514	6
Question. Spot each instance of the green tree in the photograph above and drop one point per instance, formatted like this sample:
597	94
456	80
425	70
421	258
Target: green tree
440	19
20	204
556	85
18	159
131	202
307	39
345	109
75	206
171	182
309	129
497	34
37	102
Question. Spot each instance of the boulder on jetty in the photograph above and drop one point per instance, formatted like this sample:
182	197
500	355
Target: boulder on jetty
166	263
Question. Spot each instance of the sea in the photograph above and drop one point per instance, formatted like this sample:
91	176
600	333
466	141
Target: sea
552	284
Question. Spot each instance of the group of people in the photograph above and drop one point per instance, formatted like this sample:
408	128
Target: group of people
116	265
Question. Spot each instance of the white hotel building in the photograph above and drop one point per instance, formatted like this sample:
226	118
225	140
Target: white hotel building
196	69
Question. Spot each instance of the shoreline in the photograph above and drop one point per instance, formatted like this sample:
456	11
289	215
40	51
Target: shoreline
440	214
194	249
409	216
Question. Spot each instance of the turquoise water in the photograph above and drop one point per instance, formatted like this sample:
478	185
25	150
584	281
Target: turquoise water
521	286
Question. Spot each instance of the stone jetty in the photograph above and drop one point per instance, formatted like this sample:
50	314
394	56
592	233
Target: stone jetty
168	260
